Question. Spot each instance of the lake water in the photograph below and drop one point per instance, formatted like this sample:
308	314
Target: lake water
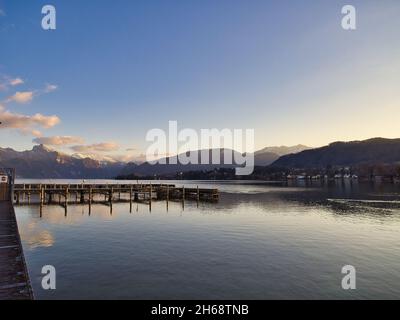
260	241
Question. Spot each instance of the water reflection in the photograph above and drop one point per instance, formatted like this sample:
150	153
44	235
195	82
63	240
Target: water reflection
35	236
259	241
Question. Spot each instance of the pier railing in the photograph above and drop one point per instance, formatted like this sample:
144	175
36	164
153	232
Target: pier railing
64	194
7	176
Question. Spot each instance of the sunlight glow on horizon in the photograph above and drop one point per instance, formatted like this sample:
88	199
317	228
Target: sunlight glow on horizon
98	90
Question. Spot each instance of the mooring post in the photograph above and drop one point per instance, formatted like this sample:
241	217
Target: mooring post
90	199
82	200
111	199
29	194
111	195
151	191
167	195
183	197
66	197
198	196
41	196
130	199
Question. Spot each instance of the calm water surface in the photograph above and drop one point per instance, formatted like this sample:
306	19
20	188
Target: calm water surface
260	241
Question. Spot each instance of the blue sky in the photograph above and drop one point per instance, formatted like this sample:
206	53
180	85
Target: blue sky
112	70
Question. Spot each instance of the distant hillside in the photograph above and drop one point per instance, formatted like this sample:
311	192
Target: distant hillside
283	150
376	150
147	169
265	158
268	155
262	157
41	162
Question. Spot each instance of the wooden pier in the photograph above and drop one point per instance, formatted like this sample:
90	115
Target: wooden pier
14	277
65	194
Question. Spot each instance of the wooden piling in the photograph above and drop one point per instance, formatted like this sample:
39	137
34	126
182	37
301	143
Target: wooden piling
167	196
110	197
90	199
198	196
135	192
42	196
130	199
151	196
66	197
82	194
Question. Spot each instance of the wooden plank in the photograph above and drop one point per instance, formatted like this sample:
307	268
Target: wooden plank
14	278
146	192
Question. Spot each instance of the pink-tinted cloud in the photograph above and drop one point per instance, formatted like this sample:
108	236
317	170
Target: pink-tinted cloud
16	81
21	97
58	140
26	123
4	85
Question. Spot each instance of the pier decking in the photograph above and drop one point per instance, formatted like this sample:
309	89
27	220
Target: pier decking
14	279
64	194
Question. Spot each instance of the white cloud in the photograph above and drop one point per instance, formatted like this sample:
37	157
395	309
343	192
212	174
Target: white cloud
21	97
111	158
30	131
58	140
50	88
97	147
10	82
16	81
2	12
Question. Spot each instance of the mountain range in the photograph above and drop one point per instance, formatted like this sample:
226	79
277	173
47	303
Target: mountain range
42	162
371	151
268	155
263	157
